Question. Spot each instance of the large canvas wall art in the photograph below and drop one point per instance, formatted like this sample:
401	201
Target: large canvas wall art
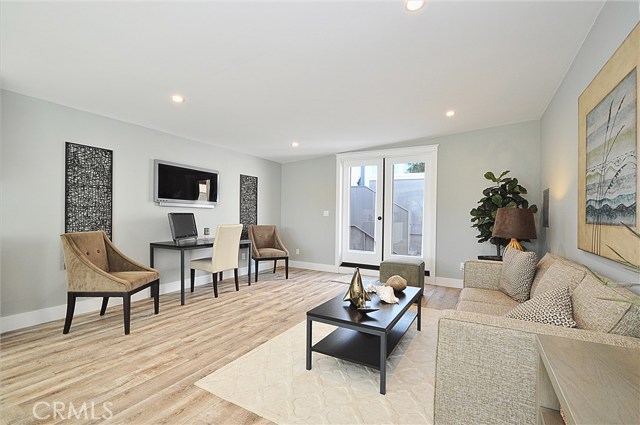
248	203
608	157
88	189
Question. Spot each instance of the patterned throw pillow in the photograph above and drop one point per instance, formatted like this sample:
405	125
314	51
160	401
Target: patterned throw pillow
518	269
552	307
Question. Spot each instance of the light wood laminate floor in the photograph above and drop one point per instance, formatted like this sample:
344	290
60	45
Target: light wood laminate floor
149	375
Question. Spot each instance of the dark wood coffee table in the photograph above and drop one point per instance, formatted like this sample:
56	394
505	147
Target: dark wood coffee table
366	339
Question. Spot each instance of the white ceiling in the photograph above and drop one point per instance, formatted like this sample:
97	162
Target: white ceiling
334	76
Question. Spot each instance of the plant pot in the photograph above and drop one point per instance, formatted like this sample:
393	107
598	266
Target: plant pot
490	257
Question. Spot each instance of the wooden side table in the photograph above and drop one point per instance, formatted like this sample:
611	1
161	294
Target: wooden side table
593	383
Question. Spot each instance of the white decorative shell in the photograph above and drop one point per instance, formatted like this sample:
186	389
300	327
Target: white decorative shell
397	282
386	294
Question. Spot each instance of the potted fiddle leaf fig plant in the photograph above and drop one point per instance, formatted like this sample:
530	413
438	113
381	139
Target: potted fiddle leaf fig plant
505	192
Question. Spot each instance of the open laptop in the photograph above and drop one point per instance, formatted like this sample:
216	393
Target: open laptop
183	227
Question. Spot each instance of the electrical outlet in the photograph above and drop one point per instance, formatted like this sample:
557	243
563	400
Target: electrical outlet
325	213
297	252
244	256
462	266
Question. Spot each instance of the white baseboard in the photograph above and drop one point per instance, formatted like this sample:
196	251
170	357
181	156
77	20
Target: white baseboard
449	282
93	304
314	266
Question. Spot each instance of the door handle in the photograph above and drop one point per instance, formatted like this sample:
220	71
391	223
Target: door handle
379	217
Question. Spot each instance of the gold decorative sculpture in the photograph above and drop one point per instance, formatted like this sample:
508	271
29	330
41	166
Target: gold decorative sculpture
356	293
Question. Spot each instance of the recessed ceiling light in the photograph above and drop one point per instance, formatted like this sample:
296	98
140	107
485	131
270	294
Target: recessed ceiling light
178	99
450	113
295	144
414	5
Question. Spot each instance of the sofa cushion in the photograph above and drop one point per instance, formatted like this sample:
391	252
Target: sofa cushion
484	308
542	267
552	307
560	274
486	296
593	310
517	273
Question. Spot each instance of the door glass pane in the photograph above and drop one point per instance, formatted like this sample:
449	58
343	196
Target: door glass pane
362	201
408	208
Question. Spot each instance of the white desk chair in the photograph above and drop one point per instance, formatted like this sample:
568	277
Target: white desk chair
225	255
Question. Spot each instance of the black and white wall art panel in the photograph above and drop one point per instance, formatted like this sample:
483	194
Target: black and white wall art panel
248	203
88	189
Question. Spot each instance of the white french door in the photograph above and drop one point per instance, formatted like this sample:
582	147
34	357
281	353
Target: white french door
362	213
387	205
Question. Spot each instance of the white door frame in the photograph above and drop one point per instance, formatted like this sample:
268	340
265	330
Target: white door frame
428	154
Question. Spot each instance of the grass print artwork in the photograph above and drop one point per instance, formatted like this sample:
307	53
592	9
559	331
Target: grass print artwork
612	158
608	157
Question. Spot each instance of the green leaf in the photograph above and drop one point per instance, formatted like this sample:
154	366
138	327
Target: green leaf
497	200
534	208
504	173
490	176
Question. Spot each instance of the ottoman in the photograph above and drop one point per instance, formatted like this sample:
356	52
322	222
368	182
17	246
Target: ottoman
411	269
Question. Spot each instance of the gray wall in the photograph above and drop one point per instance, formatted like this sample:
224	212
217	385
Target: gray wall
32	212
309	187
559	136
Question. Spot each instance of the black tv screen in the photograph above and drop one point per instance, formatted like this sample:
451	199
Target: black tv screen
183	226
182	184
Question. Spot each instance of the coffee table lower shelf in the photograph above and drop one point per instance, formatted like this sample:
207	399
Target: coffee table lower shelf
362	348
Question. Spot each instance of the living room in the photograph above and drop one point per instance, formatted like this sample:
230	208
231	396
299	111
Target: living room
295	185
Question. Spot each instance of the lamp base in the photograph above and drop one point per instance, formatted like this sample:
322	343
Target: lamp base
515	245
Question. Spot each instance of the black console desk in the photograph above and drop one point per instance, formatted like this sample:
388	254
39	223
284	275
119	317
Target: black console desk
189	246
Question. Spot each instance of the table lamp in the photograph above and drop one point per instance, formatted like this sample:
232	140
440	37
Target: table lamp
514	224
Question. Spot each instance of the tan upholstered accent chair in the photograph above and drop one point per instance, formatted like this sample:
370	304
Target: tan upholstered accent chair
226	246
96	268
267	246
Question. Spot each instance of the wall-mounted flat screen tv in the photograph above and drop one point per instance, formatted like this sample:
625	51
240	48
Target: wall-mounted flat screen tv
183	185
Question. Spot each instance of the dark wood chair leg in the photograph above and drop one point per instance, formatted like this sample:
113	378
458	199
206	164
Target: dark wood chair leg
71	306
275	263
220	277
126	307
256	270
235	275
155	292
193	278
286	268
103	309
215	285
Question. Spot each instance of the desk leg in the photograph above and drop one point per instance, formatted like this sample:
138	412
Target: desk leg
249	263
309	321
383	363
419	318
182	277
151	257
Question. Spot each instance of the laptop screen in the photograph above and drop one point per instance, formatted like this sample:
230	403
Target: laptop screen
183	225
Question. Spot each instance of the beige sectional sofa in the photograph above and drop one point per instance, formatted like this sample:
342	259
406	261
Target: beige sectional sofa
487	364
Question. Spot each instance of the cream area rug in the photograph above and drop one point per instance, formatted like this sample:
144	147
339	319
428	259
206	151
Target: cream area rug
272	381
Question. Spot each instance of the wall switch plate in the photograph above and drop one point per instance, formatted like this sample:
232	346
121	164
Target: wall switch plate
297	252
244	256
462	266
325	213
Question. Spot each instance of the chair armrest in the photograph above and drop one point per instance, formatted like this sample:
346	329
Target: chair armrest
118	262
279	244
482	274
487	366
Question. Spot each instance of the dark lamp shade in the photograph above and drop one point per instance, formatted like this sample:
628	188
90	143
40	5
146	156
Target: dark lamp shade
515	223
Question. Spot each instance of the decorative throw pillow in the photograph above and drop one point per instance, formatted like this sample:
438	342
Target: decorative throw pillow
518	269
552	307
